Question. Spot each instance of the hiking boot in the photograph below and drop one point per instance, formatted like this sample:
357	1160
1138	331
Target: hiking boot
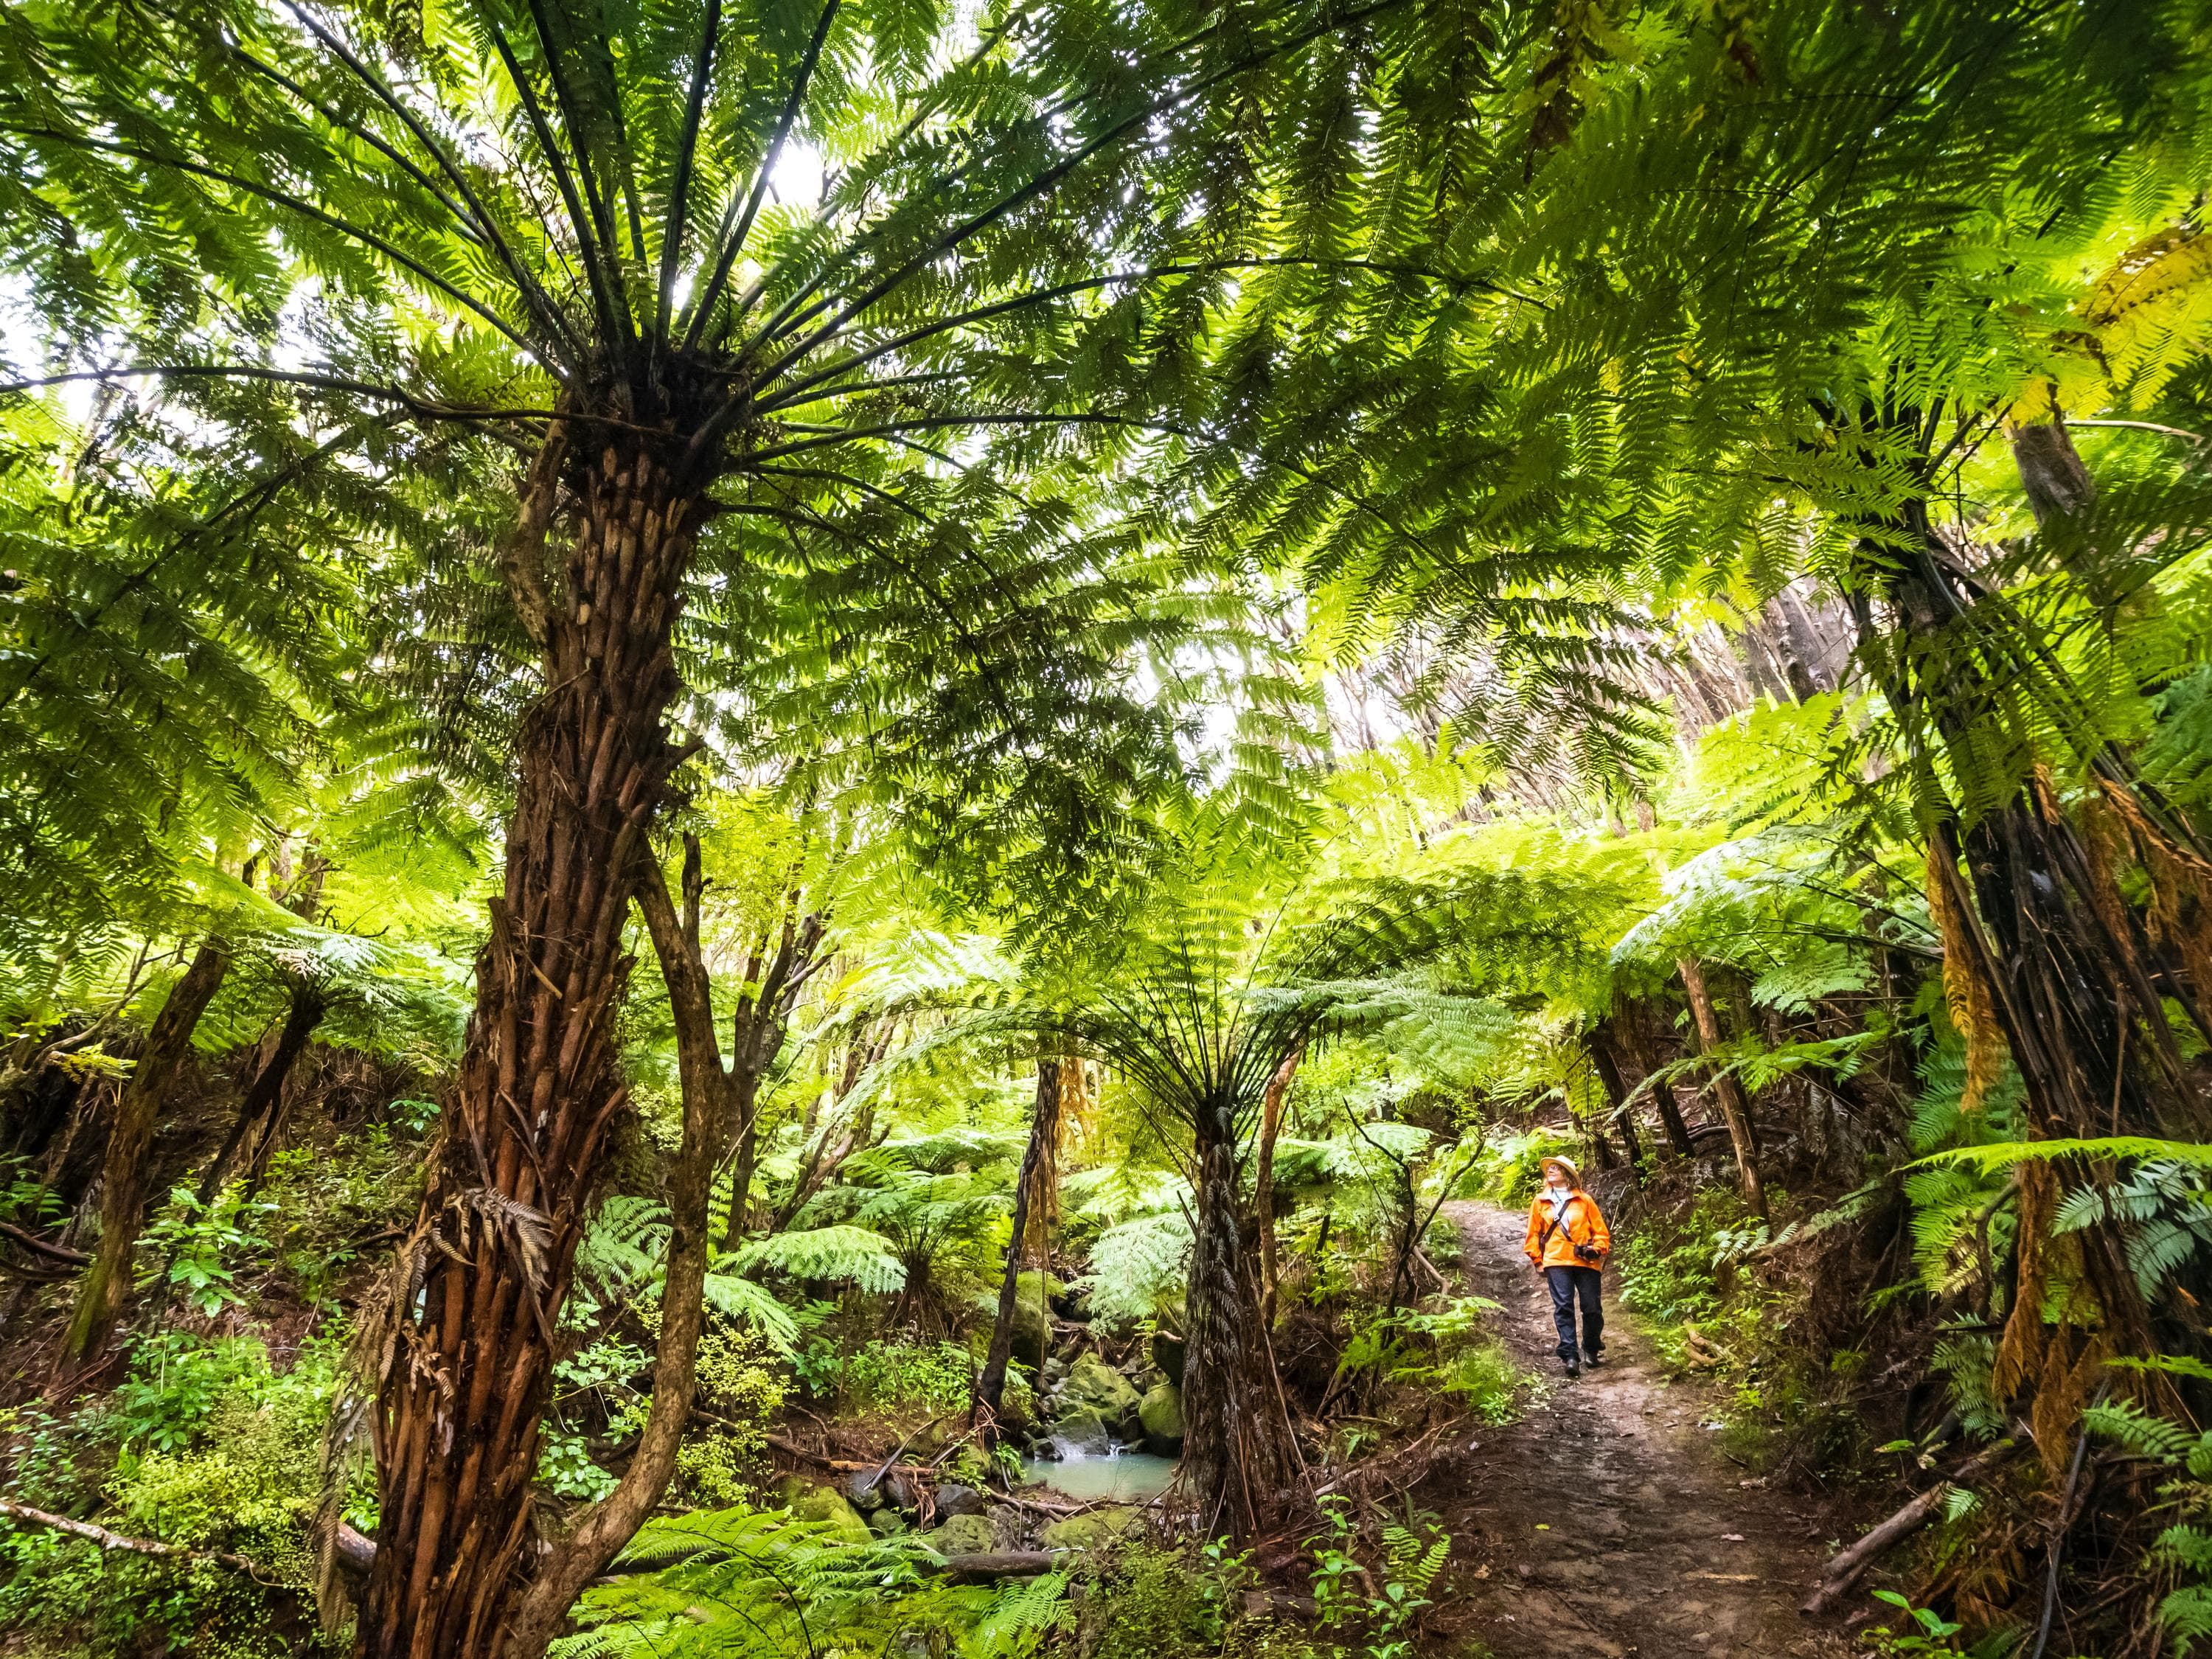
1594	1358
1574	1366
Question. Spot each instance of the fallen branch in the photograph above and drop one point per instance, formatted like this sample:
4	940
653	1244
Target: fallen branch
31	1241
992	1565
25	1515
1843	1570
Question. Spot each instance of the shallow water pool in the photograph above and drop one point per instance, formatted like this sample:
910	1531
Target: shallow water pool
1119	1477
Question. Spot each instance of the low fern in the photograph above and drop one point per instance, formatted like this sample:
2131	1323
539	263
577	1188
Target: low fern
746	1584
2183	1548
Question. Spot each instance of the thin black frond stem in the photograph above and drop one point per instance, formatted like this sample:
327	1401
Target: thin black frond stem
687	149
733	239
606	293
572	123
305	209
1064	290
534	293
936	422
827	476
255	496
1113	135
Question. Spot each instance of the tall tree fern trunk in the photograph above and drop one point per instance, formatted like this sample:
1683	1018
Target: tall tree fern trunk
265	1093
465	1383
2041	949
1242	1470
1036	1161
122	1173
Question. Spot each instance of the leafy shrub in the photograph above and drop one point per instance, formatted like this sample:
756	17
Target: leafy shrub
929	1376
206	1445
207	1244
1510	1170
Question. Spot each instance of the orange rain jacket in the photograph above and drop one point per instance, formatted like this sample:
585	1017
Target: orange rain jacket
1584	1225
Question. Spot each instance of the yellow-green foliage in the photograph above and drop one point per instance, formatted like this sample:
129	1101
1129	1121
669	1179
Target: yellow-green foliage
1511	1167
744	1394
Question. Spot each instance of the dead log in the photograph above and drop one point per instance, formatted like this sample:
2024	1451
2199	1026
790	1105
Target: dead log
1843	1570
31	1241
994	1565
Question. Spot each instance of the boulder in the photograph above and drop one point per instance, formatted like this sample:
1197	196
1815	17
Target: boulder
1032	1324
964	1535
863	1491
1161	1414
1167	1355
952	1498
826	1504
884	1523
1094	1528
1095	1387
1084	1431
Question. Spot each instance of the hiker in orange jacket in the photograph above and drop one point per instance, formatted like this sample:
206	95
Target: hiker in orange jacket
1568	1243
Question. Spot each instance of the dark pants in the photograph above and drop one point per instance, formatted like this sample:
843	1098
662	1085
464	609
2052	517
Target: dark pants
1567	1284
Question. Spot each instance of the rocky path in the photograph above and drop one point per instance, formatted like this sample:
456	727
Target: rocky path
1605	1522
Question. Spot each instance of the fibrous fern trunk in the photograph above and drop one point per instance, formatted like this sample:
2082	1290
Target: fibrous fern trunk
465	1376
123	1172
1242	1470
265	1094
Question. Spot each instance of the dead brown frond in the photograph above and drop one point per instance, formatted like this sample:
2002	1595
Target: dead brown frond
1971	1007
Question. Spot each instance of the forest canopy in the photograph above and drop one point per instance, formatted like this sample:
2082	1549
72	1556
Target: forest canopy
774	776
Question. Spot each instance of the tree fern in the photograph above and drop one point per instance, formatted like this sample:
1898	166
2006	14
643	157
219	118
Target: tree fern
845	1254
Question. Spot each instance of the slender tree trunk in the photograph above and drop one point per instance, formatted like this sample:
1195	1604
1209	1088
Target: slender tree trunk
1729	1093
1044	1135
266	1090
1241	1462
614	1520
741	1174
1263	1180
122	1173
1608	1062
1635	1031
464	1388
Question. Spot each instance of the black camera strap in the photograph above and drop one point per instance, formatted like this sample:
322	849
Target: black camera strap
1559	1222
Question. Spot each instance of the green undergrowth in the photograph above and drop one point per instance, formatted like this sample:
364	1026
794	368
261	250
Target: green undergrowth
758	1583
1511	1168
206	1446
1690	1272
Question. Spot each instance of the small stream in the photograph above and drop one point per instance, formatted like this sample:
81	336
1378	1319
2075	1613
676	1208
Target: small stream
1115	1477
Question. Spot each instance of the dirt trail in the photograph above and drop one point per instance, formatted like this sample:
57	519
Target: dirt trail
1658	1545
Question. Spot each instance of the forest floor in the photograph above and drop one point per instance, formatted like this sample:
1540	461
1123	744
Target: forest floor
1657	1546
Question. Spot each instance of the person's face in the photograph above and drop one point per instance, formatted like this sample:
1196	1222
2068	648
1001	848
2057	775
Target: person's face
1554	1177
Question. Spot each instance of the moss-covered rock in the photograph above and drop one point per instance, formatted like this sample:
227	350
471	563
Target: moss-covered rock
1084	1432
1032	1320
885	1523
1161	1414
964	1535
826	1504
1094	1528
1095	1387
